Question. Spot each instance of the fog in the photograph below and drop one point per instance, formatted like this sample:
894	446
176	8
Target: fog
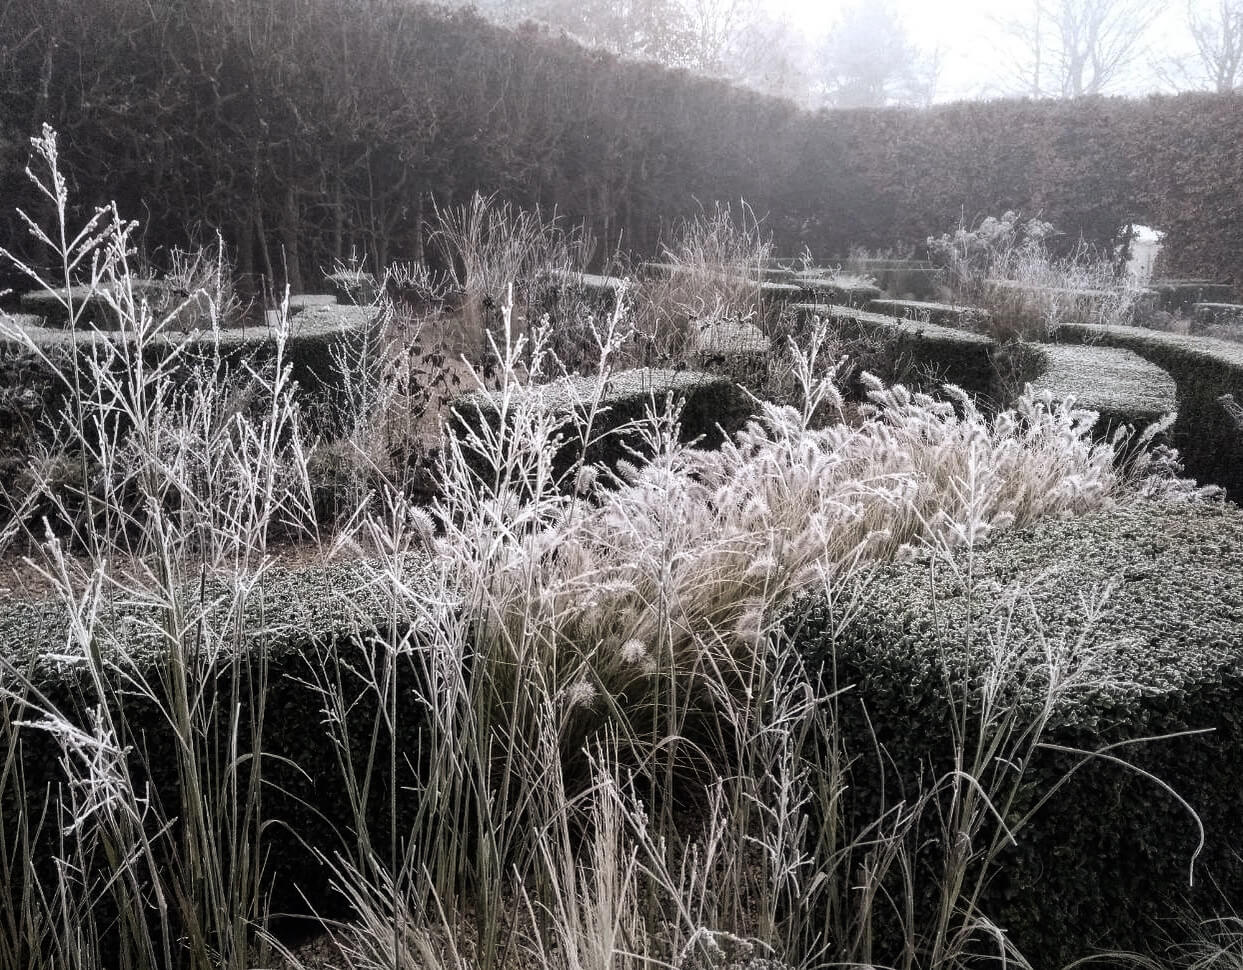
859	53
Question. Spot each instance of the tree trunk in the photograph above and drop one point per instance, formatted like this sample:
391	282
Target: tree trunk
338	222
418	227
269	283
246	254
289	240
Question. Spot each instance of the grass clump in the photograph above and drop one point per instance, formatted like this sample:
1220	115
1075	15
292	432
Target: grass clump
1007	267
491	246
712	270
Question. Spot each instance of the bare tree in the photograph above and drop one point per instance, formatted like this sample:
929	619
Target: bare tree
1072	48
657	30
868	60
775	55
1218	36
719	27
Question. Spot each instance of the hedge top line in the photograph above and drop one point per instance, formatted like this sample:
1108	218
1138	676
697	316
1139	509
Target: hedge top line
1169	576
1115	382
1208	350
904	326
566	394
315	322
288	609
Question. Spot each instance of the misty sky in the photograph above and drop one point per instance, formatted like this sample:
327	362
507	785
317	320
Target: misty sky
973	59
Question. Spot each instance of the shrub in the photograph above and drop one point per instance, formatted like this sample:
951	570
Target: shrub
1123	626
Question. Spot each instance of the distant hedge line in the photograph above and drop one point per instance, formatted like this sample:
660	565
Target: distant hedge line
307	130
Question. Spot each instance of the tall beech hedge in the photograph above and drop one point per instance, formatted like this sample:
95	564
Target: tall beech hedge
308	130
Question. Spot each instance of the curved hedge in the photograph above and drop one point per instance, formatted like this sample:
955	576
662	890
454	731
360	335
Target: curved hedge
1110	852
1118	384
712	407
1204	369
314	335
957	356
942	314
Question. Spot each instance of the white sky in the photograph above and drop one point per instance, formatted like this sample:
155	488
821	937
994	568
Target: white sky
964	32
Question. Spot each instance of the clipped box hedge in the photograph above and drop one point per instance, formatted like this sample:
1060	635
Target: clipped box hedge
915	279
91	305
942	314
1086	304
314	335
958	356
713	407
779	293
298	302
729	338
838	290
1208	313
355	287
1109	853
1204	369
1180	295
330	620
1122	387
603	291
564	295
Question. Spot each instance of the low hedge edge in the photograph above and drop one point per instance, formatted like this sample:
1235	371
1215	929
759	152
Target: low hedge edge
1204	370
1097	880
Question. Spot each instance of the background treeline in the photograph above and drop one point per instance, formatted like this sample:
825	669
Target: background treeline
310	130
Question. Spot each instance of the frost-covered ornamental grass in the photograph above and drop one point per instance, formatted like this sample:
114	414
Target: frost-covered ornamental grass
1007	266
617	754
